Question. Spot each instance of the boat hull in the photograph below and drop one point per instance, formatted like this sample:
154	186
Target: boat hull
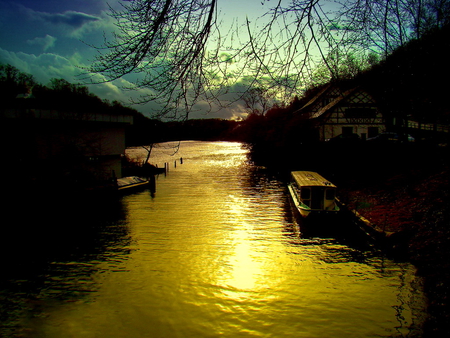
301	208
132	183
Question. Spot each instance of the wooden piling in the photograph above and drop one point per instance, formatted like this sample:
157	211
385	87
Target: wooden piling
152	184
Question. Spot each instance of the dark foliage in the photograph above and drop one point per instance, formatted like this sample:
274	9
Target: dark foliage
413	79
20	90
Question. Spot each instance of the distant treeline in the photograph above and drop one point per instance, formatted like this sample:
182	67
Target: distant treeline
146	131
20	90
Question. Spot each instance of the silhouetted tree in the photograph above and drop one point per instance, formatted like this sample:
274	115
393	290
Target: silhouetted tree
14	82
258	100
384	25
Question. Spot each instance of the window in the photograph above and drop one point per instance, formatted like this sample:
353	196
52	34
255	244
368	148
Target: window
347	130
330	194
305	194
372	132
360	113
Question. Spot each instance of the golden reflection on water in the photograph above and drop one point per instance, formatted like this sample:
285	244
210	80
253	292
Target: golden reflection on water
247	269
244	268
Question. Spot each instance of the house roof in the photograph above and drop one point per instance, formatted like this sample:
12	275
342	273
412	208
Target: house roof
322	95
316	97
333	103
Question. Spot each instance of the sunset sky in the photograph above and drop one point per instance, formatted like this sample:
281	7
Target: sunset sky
52	38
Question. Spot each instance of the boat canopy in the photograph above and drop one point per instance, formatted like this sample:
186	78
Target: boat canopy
310	179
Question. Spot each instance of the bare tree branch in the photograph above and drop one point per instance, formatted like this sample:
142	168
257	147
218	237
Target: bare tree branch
177	51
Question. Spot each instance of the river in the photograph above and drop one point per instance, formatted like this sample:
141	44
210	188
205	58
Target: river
216	251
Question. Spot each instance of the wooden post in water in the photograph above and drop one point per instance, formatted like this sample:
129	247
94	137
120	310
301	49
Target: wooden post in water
152	184
181	160
175	164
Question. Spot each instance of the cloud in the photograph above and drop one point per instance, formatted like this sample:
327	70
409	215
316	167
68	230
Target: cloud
105	25
69	18
110	90
45	42
46	66
67	23
235	111
227	58
335	26
43	67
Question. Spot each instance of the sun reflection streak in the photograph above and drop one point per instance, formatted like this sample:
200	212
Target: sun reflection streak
246	271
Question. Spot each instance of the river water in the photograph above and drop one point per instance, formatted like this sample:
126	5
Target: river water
216	251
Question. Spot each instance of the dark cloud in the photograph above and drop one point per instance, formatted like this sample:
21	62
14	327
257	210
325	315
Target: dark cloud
60	6
70	18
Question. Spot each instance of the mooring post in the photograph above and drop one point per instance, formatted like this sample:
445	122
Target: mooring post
175	164
181	160
152	184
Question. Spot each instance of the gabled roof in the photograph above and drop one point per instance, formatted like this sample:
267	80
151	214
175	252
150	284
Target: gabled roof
333	103
330	91
316	97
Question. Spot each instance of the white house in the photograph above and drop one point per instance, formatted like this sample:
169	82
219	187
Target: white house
344	111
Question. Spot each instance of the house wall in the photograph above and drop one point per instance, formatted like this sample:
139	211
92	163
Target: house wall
110	146
101	144
103	139
329	130
357	113
64	141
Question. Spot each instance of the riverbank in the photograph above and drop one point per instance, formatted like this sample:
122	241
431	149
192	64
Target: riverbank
412	211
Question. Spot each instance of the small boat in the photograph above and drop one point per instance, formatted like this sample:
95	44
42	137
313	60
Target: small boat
131	182
312	193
